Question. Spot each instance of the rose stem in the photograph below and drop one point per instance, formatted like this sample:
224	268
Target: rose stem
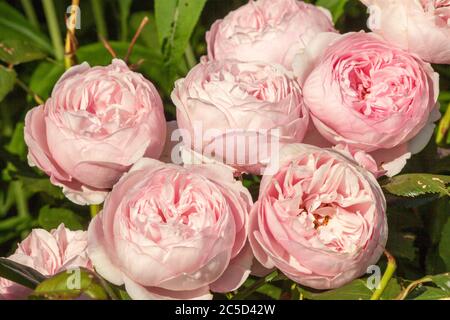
390	269
52	22
108	47
135	37
30	13
99	17
71	45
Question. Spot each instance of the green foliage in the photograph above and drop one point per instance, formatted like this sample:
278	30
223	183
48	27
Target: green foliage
414	185
21	274
7	79
51	218
336	7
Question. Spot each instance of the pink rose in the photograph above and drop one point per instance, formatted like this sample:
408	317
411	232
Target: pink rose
49	253
97	123
167	232
239	112
419	26
370	95
320	220
267	30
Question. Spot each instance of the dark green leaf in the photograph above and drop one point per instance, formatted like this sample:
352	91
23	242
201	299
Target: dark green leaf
51	218
149	35
71	284
13	51
14	25
444	244
36	185
431	293
44	78
356	290
7	80
417	184
17	144
124	9
20	274
336	7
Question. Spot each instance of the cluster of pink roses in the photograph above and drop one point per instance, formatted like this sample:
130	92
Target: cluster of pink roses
344	109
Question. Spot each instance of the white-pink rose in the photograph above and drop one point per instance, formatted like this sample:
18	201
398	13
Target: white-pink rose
419	26
369	94
267	30
49	253
320	219
168	232
97	123
239	112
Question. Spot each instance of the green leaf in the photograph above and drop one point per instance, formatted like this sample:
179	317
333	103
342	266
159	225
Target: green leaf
336	7
45	77
36	185
417	184
431	293
17	144
392	290
175	21
149	35
444	245
19	273
14	25
51	218
71	284
124	9
356	290
13	51
7	80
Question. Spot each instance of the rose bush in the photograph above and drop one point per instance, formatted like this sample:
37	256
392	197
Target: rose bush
369	94
49	253
419	26
168	232
97	123
267	30
320	219
239	108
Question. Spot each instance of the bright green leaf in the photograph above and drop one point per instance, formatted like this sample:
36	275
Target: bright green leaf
356	290
44	78
13	51
36	185
71	284
149	35
7	80
417	184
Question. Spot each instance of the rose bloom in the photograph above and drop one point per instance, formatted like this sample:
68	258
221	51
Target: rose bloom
267	30
168	232
320	219
419	26
97	123
242	109
49	253
370	95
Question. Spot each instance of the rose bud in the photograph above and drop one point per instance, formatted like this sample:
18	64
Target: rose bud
49	253
320	219
369	95
97	123
419	26
267	30
168	232
239	112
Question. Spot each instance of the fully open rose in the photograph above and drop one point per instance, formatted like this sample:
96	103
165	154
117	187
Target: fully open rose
49	253
168	232
368	94
419	26
97	123
239	112
320	220
267	30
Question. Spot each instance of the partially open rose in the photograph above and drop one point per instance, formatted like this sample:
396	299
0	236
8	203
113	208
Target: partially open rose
97	123
267	30
167	232
419	26
49	253
320	219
